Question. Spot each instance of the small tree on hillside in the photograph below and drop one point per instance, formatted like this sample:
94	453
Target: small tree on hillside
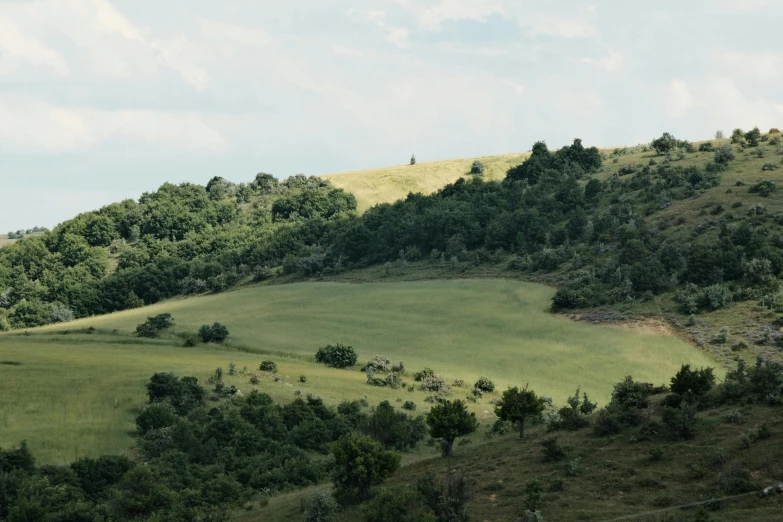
359	464
413	159
217	333
517	405
450	420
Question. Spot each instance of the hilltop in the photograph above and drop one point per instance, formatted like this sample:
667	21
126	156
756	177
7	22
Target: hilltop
389	184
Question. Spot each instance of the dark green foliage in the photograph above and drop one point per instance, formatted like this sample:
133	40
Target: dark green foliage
97	476
449	420
183	394
155	416
518	405
268	366
314	204
680	422
693	382
216	333
628	398
762	382
533	490
359	464
753	137
400	504
323	508
574	416
552	451
666	143
576	160
477	168
763	188
393	429
737	136
706	147
337	356
154	325
423	375
485	385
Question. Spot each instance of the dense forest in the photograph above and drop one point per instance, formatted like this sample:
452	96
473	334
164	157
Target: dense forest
606	240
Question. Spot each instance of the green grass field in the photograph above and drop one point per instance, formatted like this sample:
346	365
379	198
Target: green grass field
388	184
76	394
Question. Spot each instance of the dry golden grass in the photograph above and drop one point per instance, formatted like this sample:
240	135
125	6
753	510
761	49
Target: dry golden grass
388	184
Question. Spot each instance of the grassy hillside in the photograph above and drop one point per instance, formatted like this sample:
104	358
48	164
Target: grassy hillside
74	394
600	479
388	184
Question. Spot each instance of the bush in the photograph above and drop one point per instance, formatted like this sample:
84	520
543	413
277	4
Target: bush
217	333
680	422
693	382
156	416
769	166
706	147
359	464
434	383
735	479
268	366
378	363
485	385
302	378
552	451
477	168
154	325
763	188
724	155
323	508
336	356
190	342
409	405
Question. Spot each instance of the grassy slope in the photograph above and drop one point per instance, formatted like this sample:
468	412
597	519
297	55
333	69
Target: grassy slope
388	184
75	394
614	477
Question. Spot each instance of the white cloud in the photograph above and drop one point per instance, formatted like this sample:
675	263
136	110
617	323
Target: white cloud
562	27
678	99
455	10
347	51
611	62
395	35
754	67
18	50
34	126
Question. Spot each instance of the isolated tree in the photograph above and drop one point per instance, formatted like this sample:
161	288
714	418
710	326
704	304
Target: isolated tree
450	420
517	405
737	136
724	155
753	137
719	135
666	143
413	159
359	464
477	168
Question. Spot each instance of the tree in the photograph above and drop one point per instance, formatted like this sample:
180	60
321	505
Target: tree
666	143
517	405
724	155
477	168
323	508
719	135
695	382
450	420
336	356
359	464
753	137
413	159
217	333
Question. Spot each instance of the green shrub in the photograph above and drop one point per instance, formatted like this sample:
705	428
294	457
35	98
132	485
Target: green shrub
323	508
680	423
706	147
154	325
552	451
724	155
302	378
409	405
378	363
424	374
485	385
216	333
693	382
477	168
156	416
336	356
268	366
763	188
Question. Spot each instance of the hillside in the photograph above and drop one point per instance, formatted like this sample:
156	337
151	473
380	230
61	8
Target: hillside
462	329
388	184
4	241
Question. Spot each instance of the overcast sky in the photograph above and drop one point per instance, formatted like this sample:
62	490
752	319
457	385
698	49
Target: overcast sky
101	100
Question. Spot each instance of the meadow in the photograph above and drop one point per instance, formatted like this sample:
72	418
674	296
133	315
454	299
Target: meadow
388	184
4	241
76	394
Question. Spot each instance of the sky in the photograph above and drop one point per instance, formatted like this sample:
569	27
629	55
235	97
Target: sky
102	100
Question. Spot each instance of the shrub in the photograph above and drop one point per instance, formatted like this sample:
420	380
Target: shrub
379	363
552	451
533	491
774	130
485	385
323	508
477	168
737	136
449	420
156	416
216	333
769	166
359	464
190	342
254	379
735	478
268	366
154	325
409	405
680	422
336	356
753	137
706	147
425	373
724	155
763	188
302	378
693	382
434	383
